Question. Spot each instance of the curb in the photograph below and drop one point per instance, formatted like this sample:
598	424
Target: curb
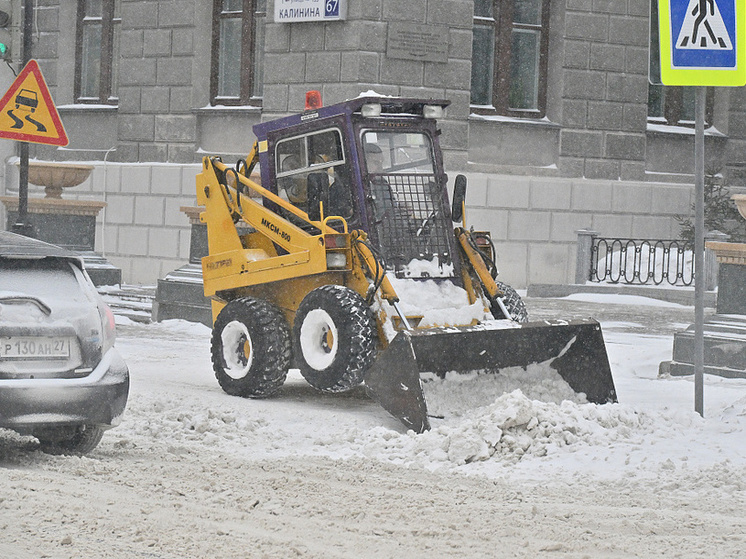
681	296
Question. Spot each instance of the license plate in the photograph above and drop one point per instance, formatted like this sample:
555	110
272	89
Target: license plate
22	347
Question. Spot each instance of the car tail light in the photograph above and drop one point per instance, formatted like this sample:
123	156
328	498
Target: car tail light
108	327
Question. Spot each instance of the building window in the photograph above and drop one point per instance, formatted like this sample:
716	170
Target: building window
674	106
670	105
97	51
237	55
509	57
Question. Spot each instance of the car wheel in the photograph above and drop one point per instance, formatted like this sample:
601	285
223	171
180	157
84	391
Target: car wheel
81	440
334	338
250	348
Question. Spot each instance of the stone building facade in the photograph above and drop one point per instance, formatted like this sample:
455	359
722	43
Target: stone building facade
593	158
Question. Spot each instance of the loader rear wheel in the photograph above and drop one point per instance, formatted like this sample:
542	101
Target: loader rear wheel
334	338
513	303
250	348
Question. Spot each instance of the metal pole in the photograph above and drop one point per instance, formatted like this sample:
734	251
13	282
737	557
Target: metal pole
699	248
22	225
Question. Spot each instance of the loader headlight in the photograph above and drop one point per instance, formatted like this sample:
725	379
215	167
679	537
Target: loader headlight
336	260
371	110
432	111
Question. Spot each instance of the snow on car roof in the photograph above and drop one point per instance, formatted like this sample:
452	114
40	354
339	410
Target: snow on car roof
13	245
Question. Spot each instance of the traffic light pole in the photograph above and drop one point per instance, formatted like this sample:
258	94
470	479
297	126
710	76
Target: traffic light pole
22	225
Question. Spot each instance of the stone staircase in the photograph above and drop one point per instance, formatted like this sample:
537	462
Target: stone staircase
132	301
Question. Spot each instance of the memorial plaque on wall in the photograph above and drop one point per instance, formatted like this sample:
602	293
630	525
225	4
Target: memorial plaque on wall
417	42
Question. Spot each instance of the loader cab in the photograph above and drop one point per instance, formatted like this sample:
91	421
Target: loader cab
377	163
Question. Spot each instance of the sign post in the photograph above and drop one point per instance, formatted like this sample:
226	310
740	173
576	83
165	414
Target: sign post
28	114
702	43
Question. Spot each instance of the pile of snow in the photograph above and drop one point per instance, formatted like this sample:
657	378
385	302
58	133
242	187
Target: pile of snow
512	427
460	394
440	303
516	423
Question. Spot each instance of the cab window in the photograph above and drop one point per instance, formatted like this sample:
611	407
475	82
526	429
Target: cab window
397	152
316	152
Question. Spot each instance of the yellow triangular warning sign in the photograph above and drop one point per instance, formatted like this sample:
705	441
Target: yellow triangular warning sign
27	112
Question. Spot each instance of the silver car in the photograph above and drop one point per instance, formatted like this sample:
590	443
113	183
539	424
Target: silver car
61	379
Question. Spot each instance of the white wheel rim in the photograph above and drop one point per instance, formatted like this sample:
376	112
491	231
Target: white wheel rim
319	339
238	351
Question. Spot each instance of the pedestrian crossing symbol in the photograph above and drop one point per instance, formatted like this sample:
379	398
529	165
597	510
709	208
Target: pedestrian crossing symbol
702	42
27	112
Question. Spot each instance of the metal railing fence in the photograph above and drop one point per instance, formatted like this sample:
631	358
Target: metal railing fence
641	261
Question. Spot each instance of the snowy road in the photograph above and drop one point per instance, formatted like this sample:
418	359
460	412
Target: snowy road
194	473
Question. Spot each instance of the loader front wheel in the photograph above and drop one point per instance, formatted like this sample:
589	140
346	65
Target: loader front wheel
334	338
250	348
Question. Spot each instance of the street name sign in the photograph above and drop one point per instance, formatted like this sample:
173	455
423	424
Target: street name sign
290	11
702	42
27	112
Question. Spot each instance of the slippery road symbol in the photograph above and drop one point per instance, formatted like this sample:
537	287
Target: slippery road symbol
26	100
18	123
704	28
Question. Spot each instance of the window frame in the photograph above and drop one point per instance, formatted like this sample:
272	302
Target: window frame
307	166
249	54
108	22
503	27
396	168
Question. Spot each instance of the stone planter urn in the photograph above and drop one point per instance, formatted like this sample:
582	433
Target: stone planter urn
55	176
732	274
740	200
70	224
725	332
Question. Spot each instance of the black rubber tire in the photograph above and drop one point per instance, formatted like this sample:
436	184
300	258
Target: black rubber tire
84	439
513	303
334	338
250	348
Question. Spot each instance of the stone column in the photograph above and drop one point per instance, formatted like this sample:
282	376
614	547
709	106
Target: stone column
583	258
155	82
605	89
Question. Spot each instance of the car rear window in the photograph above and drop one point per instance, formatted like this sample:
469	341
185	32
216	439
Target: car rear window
47	278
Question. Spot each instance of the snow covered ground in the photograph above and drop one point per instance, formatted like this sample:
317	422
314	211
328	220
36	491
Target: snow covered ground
194	473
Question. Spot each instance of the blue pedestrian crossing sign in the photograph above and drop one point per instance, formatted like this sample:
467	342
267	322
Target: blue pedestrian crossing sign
702	42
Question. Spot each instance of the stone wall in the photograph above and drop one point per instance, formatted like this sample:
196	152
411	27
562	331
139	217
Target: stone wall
345	58
534	220
604	95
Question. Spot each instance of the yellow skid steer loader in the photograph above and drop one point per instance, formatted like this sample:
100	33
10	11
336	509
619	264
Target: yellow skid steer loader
341	259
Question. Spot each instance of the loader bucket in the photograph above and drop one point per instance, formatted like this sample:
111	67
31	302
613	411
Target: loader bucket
575	349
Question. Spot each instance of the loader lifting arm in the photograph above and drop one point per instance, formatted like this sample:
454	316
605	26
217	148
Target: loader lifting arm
232	263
